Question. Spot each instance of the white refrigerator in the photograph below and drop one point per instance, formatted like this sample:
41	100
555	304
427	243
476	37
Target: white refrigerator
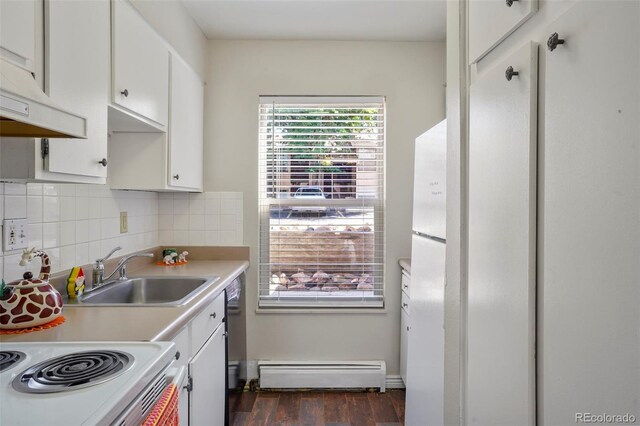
425	347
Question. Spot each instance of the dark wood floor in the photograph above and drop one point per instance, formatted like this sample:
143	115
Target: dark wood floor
318	408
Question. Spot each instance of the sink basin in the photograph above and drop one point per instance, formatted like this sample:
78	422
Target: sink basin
148	291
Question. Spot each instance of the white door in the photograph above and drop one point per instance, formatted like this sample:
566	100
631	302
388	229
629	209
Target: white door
185	126
140	65
78	79
502	243
590	358
18	32
430	178
425	356
491	21
207	372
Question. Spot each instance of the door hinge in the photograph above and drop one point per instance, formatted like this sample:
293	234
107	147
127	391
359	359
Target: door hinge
44	148
189	385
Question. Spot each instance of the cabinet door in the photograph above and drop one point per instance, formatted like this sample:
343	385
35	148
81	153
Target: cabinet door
502	237
18	32
591	233
404	336
491	21
78	79
185	126
140	65
207	372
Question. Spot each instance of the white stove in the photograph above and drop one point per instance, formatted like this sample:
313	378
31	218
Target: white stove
82	383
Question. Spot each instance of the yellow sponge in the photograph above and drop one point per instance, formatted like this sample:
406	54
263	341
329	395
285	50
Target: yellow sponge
75	283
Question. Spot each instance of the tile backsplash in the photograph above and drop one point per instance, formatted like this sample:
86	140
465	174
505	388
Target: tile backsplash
207	219
77	224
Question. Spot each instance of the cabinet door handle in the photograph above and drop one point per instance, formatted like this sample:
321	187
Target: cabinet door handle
125	93
405	286
103	162
213	315
405	305
177	355
509	73
509	3
176	176
554	41
407	328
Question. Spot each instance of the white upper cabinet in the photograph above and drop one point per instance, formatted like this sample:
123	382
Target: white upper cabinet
78	79
18	32
491	21
140	79
502	242
185	126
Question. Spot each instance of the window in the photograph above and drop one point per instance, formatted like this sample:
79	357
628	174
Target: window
321	201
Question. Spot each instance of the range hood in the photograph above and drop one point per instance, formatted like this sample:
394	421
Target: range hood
26	111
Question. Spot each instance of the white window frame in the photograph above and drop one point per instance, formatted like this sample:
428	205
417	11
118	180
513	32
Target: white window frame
301	300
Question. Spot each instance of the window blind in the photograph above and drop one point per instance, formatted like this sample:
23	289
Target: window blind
321	168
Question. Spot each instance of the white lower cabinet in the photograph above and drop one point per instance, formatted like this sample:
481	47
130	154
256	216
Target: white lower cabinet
202	348
404	339
207	380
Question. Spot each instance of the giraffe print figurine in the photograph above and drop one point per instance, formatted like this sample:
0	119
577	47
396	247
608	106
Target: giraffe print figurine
31	301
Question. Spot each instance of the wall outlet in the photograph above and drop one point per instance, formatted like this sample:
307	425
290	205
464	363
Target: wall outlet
124	223
15	235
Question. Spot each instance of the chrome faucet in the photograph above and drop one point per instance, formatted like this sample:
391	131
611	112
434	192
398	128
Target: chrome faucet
122	266
98	268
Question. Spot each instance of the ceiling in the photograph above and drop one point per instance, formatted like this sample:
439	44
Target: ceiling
388	20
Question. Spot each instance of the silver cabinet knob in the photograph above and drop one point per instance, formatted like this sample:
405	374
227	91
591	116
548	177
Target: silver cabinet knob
509	3
103	162
125	93
213	315
405	304
509	73
553	42
176	176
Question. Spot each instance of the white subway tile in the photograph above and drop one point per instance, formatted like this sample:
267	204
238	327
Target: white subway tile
82	256
181	222
15	189
180	237
227	222
165	206
67	257
51	189
196	222
228	238
68	190
35	235
181	206
212	206
67	233
212	222
197	238
228	206
50	209
67	208
34	189
212	238
15	206
82	208
197	205
82	231
50	234
34	209
165	222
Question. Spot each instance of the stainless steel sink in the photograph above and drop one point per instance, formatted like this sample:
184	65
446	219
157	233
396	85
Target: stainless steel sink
147	291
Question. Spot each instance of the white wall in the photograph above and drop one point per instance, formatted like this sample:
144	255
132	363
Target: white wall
411	76
171	20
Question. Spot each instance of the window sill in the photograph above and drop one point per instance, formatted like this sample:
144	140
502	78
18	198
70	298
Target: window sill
281	311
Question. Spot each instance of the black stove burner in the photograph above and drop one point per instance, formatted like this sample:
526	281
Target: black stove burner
10	358
74	371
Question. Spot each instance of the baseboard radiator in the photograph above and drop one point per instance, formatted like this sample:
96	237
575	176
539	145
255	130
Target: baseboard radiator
322	374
